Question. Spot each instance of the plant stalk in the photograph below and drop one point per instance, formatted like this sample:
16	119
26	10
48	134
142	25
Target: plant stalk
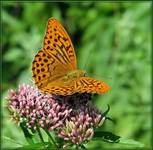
51	138
40	135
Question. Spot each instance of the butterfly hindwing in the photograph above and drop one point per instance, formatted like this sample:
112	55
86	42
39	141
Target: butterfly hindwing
40	71
45	69
76	85
60	87
90	85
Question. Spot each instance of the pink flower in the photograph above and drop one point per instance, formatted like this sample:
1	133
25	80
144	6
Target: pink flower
80	126
73	117
36	108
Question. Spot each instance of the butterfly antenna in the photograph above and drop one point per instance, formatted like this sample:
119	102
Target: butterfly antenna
90	53
87	59
102	77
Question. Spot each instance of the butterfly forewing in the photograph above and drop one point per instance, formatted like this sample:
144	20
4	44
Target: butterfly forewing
57	57
57	39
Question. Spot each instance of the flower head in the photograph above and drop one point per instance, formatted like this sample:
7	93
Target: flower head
73	117
80	126
36	108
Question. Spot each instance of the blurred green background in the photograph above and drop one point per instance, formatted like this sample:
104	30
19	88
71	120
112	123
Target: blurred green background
112	43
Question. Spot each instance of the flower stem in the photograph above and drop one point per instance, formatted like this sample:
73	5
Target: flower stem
40	135
27	135
51	138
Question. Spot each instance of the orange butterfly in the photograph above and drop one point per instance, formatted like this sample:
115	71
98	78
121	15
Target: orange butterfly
55	67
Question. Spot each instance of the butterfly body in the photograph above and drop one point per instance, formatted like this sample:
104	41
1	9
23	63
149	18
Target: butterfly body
75	74
55	66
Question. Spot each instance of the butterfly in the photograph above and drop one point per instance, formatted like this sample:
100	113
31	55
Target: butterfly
55	66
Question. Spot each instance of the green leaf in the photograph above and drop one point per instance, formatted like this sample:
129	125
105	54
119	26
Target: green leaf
11	140
112	138
36	146
106	136
130	142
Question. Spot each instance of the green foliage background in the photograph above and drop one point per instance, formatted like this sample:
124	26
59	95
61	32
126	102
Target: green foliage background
112	42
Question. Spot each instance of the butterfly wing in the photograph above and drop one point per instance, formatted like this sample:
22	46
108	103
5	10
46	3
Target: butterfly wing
57	57
76	85
90	85
60	87
46	69
55	60
58	42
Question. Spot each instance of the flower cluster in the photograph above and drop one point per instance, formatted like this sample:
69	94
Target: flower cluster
37	109
80	126
73	117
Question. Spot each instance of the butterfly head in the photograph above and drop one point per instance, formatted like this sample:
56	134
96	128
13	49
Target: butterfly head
82	73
